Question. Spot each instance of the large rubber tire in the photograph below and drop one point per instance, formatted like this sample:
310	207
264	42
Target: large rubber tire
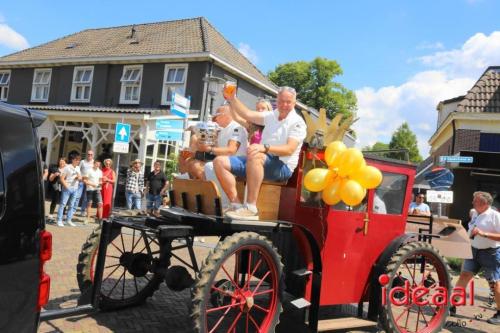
406	264
214	274
85	275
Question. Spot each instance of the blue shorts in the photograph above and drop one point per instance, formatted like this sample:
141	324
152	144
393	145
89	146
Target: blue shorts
274	169
488	260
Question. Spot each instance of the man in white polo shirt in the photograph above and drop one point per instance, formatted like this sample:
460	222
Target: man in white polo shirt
274	159
484	231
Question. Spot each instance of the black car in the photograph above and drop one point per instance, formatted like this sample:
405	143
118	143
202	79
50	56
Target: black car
24	244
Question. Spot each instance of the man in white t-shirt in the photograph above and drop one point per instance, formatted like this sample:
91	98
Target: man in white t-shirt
85	165
70	179
232	140
274	159
419	207
93	180
484	231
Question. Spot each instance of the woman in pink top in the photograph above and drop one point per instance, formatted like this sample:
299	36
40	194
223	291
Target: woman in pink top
254	131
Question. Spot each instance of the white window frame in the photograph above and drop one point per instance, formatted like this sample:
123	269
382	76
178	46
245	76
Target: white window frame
83	84
125	83
41	85
166	85
4	87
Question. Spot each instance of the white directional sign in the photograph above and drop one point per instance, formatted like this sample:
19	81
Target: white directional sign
120	147
122	132
180	105
440	196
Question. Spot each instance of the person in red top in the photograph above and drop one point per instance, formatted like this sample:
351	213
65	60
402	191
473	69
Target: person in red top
108	182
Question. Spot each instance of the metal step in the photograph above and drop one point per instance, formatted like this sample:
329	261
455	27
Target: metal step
343	323
300	303
302	272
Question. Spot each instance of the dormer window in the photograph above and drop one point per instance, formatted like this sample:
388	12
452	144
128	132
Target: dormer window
82	84
174	81
41	85
131	85
4	85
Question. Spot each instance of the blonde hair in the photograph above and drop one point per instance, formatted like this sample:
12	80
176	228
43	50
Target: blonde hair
264	101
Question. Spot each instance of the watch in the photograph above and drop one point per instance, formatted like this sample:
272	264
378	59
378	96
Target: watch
266	147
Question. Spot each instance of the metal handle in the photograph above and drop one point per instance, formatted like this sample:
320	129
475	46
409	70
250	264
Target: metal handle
365	225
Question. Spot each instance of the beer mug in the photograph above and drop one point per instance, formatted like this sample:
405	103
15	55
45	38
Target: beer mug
207	133
229	89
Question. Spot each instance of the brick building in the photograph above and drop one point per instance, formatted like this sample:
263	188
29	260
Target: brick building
469	125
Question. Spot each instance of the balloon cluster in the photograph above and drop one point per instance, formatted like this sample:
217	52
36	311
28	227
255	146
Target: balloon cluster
347	177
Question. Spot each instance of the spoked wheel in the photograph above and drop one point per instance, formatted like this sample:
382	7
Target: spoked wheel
133	270
230	295
415	265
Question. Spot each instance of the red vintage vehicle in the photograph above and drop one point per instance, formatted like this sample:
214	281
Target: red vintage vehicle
310	259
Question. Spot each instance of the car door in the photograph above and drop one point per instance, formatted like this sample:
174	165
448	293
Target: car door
19	221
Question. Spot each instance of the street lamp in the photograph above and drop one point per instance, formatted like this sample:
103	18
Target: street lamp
214	87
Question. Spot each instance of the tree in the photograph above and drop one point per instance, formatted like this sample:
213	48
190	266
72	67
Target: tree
377	146
403	137
315	85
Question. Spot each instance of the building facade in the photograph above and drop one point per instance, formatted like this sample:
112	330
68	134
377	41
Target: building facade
469	125
88	81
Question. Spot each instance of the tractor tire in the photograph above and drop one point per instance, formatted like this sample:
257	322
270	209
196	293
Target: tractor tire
137	292
223	284
419	264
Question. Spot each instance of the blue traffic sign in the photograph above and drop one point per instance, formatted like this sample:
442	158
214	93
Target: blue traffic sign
456	159
169	136
168	124
122	132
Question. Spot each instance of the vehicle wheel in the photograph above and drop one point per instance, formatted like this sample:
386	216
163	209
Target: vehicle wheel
229	296
416	264
133	270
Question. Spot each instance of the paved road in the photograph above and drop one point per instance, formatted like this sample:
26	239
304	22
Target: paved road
167	311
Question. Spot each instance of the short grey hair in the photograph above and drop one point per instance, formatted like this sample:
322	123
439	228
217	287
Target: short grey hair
287	89
485	197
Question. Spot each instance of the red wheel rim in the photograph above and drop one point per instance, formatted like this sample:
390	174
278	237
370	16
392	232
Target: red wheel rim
250	299
421	269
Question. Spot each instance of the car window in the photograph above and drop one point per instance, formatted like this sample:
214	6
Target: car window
390	195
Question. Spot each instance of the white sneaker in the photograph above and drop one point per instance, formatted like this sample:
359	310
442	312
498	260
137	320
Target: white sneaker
71	224
243	213
60	224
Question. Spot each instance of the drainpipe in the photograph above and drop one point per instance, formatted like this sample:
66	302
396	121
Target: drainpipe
453	138
205	94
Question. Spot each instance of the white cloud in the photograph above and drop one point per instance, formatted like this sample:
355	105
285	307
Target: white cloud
248	52
450	73
11	39
430	46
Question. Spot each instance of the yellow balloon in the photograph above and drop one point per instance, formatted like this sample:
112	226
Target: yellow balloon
317	179
352	193
331	194
350	161
333	150
368	176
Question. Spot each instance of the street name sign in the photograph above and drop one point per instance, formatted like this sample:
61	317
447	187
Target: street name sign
456	159
440	196
169	129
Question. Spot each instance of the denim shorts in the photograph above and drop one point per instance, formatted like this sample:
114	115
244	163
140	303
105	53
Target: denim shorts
274	169
488	260
94	196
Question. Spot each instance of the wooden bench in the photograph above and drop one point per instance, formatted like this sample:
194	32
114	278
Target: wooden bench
268	202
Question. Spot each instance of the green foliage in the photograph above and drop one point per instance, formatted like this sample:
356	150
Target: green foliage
403	137
315	85
171	166
455	264
377	146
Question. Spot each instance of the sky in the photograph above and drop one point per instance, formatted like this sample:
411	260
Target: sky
400	57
